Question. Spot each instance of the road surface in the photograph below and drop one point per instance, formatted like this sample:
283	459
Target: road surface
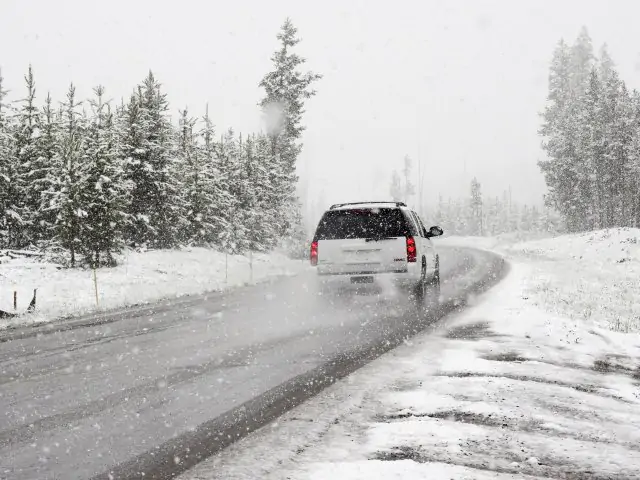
154	390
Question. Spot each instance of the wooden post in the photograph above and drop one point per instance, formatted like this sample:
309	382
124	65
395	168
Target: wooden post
95	285
250	266
15	300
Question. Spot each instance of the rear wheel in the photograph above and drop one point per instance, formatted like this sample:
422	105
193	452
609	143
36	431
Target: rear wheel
436	281
427	291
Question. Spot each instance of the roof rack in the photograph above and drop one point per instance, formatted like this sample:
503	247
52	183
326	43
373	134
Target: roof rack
397	204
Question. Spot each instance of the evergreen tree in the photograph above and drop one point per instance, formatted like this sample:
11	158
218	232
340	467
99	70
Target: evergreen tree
590	172
7	171
232	176
218	198
409	188
105	193
582	62
267	195
395	189
475	208
29	175
49	160
560	134
66	197
151	168
606	64
286	90
633	165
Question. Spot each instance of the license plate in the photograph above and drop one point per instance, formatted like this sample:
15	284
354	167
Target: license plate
362	256
361	279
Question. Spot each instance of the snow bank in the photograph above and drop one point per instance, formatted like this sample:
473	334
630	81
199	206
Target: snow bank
504	390
139	278
593	277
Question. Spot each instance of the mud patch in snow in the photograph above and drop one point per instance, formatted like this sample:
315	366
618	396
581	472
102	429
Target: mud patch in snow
474	331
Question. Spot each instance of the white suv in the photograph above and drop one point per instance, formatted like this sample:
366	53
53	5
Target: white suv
371	239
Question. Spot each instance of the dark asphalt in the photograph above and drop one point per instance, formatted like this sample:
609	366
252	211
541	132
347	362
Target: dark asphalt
156	389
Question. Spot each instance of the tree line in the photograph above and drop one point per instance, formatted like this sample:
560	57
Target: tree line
479	216
88	178
591	134
476	214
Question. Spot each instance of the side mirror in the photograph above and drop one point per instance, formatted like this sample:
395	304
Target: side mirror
434	232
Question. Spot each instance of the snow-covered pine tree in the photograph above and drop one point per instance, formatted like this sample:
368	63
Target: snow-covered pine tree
534	219
559	131
617	113
105	193
188	155
622	146
148	145
525	219
590	172
203	197
30	173
605	64
493	216
409	188
395	188
286	89
49	161
475	208
633	183
505	212
233	181
132	133
66	195
7	170
266	181
582	62
217	198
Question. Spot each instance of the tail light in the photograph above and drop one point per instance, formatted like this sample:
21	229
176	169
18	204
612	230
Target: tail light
314	253
411	249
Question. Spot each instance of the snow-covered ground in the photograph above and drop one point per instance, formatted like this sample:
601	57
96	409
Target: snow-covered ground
522	385
139	278
592	276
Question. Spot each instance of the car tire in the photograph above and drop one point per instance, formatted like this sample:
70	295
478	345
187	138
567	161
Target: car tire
427	291
435	282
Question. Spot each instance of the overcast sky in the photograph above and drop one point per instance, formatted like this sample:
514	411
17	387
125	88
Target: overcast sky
456	84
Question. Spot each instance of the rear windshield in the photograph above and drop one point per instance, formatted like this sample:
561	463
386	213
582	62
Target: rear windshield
362	223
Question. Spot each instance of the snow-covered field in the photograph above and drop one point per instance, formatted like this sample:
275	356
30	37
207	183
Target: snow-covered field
592	276
522	385
139	278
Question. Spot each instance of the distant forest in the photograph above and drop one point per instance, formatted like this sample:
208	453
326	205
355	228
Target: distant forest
591	134
475	213
479	216
86	178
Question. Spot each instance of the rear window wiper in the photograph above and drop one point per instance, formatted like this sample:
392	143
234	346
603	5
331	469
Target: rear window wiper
377	239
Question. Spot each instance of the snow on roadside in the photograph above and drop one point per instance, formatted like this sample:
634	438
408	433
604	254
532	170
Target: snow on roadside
506	390
593	277
140	278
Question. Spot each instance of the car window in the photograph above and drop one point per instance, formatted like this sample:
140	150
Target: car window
363	223
420	224
416	219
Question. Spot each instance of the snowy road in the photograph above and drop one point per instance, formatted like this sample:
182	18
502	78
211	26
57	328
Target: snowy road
155	391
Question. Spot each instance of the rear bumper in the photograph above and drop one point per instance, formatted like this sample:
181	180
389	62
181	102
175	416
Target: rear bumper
408	274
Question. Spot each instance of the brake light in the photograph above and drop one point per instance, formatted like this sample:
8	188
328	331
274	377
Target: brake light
411	249
314	253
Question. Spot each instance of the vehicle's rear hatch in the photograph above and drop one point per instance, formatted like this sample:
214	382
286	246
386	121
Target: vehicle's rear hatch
362	240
